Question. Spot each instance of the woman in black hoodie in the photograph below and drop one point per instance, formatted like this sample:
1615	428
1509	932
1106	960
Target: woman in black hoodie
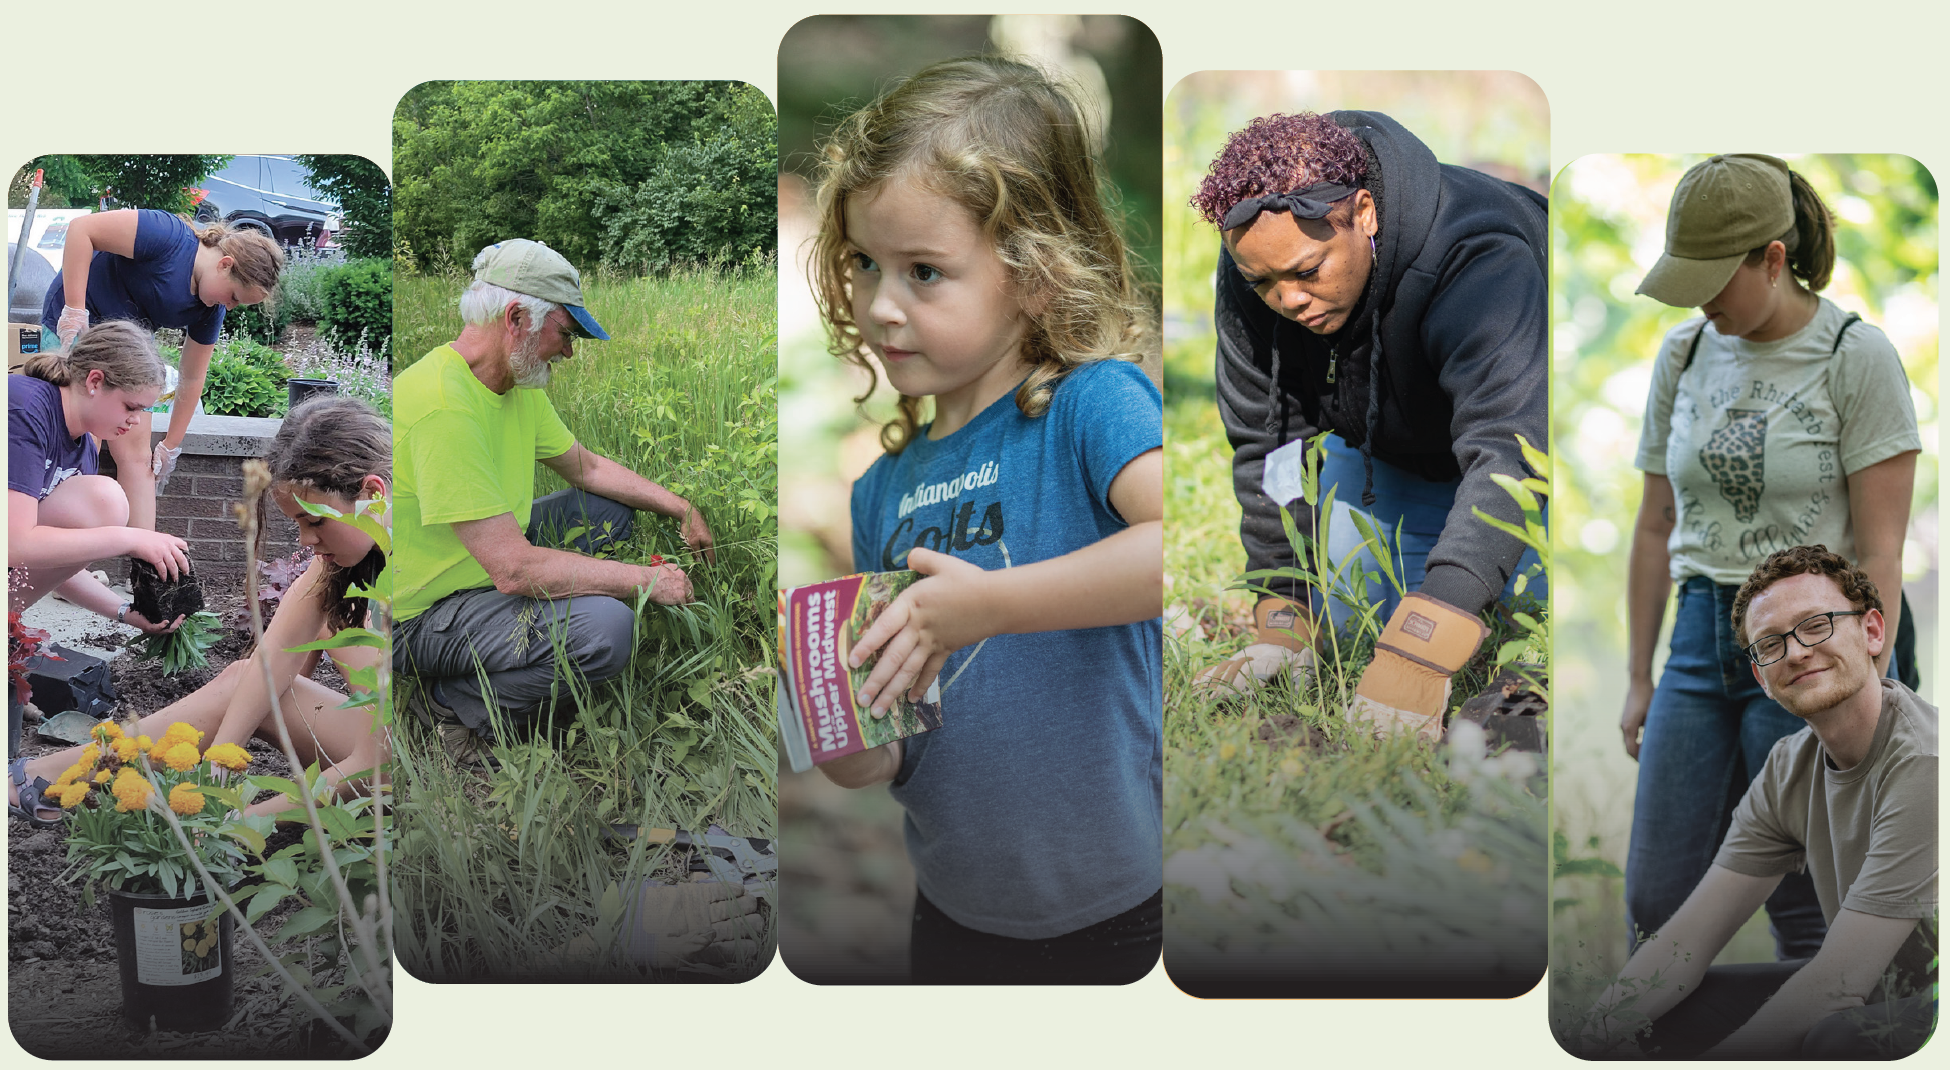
1366	290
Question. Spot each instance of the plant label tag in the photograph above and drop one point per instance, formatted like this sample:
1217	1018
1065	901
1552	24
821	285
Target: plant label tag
1283	478
177	947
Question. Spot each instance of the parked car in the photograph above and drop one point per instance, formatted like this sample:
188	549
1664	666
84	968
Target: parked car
272	194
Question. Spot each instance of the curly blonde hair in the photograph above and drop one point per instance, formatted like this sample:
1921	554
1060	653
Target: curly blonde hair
1008	143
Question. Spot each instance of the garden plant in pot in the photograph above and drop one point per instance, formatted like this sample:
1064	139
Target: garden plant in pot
135	803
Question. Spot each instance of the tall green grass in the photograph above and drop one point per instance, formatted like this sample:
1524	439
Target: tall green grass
1340	847
499	872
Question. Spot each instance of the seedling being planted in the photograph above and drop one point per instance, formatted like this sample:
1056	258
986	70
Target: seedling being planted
184	648
162	600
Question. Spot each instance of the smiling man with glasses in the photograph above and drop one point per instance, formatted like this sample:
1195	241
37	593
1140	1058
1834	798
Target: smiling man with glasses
1852	799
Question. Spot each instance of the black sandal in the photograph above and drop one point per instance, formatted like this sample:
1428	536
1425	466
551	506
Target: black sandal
31	802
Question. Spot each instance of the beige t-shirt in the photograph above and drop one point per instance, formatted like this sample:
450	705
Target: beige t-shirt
1759	438
1866	835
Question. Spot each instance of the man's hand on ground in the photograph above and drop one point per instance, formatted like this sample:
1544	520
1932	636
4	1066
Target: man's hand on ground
697	536
667	584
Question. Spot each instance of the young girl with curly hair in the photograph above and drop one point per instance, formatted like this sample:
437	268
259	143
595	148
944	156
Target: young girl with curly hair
965	249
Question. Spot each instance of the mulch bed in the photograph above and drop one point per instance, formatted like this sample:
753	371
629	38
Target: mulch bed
64	995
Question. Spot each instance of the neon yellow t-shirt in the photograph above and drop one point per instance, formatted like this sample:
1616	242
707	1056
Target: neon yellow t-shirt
460	452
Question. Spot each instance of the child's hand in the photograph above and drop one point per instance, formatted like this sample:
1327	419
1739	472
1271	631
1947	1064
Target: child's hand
930	620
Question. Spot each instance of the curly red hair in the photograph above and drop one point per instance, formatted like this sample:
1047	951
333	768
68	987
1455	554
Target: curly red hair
1279	154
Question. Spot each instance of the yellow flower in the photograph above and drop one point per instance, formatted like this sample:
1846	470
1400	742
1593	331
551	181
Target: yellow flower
89	754
1227	750
143	743
107	730
100	778
229	755
126	749
70	796
182	756
70	774
132	791
189	945
183	731
186	800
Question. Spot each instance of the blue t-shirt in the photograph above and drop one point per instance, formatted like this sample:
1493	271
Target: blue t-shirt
40	452
152	288
1037	808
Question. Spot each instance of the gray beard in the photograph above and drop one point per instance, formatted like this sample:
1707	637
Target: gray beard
530	372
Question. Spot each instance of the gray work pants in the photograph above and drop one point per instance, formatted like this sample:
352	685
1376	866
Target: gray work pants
509	643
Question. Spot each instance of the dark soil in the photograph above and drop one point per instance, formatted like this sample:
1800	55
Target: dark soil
158	599
64	995
1286	730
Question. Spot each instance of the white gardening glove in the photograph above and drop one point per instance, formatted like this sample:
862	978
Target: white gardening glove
1280	632
73	321
163	464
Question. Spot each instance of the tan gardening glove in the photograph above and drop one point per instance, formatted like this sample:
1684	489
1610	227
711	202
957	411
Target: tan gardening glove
707	923
1406	686
1282	632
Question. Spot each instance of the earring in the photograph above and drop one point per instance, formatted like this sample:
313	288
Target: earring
1371	252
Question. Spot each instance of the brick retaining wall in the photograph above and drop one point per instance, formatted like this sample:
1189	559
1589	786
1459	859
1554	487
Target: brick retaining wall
196	503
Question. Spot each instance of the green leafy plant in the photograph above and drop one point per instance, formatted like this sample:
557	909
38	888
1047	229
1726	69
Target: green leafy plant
263	322
1533	647
187	647
236	387
358	303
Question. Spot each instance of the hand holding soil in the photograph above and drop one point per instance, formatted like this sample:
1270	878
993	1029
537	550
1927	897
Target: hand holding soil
165	553
136	620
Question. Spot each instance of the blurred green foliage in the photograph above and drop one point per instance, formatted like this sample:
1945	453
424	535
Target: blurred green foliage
479	162
365	199
147	180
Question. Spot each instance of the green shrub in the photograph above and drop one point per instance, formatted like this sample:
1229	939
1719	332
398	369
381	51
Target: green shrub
301	289
261	323
358	302
255	354
238	387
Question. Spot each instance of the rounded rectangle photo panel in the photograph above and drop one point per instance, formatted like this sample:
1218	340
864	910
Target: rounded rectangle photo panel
969	622
199	459
586	536
1745	827
1358	624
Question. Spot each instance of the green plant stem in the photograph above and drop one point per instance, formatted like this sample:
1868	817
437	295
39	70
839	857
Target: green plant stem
210	883
369	979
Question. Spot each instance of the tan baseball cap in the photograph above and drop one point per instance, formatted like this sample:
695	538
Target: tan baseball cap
532	268
1724	209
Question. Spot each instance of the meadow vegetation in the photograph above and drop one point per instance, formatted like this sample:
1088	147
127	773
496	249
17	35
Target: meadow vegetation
501	871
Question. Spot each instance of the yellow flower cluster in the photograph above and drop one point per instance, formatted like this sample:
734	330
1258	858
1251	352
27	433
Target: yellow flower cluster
71	794
186	800
182	732
132	790
230	756
179	756
108	731
126	749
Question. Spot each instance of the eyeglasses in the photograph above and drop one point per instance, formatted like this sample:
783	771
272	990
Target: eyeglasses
1769	649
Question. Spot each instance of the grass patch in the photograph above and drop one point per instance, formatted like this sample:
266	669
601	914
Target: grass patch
499	872
1290	837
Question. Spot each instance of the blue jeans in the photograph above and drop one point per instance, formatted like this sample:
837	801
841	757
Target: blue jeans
1707	735
1419	506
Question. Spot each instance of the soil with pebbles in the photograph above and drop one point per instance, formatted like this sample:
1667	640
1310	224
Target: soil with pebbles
64	995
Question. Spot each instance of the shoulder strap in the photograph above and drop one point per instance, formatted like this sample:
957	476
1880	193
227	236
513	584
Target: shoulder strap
1692	347
1851	321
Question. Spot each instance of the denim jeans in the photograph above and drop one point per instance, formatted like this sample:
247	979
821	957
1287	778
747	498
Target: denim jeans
1707	735
1419	506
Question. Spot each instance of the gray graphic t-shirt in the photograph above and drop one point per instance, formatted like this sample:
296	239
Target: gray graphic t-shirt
1759	438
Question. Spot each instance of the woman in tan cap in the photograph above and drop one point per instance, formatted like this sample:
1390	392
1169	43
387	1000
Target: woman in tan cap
1775	420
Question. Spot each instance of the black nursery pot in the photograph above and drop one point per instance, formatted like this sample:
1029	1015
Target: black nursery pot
296	391
183	989
160	600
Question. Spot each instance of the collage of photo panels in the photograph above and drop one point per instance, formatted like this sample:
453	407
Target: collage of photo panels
984	516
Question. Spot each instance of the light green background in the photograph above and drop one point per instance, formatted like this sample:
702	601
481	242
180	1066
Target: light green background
1659	76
